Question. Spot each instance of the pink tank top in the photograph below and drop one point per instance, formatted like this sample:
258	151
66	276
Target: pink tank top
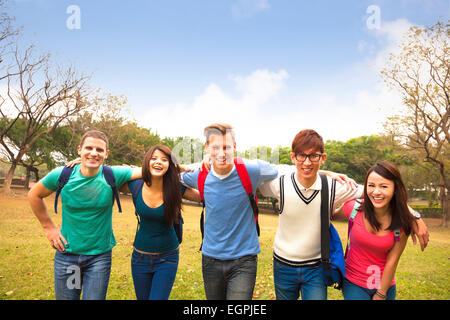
367	254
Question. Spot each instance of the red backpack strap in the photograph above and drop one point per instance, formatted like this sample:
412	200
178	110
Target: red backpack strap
201	181
201	189
243	174
247	184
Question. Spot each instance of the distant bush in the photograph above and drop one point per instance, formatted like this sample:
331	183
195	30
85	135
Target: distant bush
15	181
428	212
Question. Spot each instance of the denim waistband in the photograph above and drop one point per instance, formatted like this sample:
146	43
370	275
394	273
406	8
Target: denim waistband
155	254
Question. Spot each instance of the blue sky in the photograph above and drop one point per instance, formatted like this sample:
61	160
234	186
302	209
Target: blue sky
270	68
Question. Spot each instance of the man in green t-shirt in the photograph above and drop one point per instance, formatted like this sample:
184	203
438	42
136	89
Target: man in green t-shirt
84	242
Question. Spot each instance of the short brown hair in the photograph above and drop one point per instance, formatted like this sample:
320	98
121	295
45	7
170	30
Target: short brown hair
219	129
307	139
95	134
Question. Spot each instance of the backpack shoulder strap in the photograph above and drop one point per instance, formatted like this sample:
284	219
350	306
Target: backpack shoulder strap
397	234
201	181
350	224
281	204
351	220
138	184
324	222
202	174
111	180
247	184
62	181
243	174
355	209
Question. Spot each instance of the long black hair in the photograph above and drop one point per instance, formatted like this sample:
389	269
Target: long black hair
171	183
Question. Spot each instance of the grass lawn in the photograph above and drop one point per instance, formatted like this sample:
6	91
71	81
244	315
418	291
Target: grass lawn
26	258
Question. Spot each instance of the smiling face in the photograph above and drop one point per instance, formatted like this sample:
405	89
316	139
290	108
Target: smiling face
92	152
221	149
379	190
159	163
307	169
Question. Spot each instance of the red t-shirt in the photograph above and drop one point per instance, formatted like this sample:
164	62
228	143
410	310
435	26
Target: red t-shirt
367	253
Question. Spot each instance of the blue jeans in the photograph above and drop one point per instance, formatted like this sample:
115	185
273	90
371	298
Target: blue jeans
352	291
290	281
75	273
229	279
154	274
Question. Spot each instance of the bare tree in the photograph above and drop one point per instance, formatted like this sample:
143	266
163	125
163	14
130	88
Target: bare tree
8	34
41	98
421	73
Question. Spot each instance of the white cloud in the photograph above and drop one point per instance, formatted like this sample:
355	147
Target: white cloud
362	108
390	36
243	9
260	86
372	102
214	105
263	114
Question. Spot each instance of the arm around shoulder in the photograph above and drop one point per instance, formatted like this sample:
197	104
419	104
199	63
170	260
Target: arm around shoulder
124	188
420	231
189	179
192	195
267	171
136	173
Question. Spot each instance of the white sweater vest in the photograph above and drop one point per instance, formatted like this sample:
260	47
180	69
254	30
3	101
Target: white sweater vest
297	241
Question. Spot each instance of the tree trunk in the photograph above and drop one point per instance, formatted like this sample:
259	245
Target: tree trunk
31	170
12	169
9	177
446	214
445	204
36	174
27	178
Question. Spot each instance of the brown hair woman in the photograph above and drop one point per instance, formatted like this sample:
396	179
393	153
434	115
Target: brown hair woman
155	257
379	231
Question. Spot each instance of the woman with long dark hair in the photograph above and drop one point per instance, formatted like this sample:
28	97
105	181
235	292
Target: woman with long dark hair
378	232
155	257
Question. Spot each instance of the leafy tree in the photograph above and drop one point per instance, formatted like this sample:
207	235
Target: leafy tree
187	150
39	98
420	73
38	154
356	156
128	142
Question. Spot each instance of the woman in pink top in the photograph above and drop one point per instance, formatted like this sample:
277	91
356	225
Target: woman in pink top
374	249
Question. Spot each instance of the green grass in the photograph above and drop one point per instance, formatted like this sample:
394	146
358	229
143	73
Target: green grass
26	258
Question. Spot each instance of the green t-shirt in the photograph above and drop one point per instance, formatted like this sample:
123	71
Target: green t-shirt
87	209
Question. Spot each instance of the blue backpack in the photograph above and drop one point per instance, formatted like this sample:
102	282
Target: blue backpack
331	246
107	173
178	226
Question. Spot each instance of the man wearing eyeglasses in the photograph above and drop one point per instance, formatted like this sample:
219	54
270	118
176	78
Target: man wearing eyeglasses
296	249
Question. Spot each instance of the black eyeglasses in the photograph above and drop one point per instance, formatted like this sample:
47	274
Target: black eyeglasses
313	157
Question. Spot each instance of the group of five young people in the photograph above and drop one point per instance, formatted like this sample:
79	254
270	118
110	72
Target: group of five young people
230	245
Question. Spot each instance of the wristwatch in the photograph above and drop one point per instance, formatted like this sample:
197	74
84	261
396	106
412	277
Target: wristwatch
416	214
